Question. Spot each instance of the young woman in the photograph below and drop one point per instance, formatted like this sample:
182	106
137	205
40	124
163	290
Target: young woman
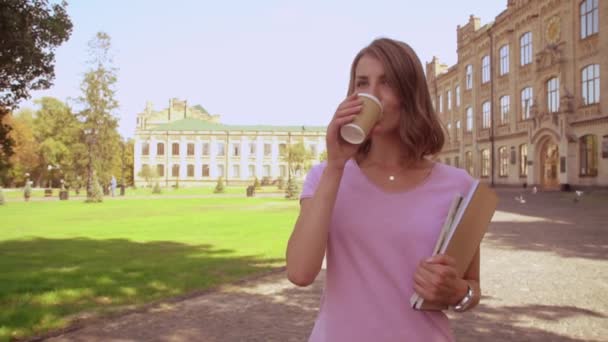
375	211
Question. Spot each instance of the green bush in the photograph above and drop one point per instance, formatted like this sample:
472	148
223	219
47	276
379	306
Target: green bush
27	190
256	183
1	196
292	191
95	194
156	189
280	183
219	187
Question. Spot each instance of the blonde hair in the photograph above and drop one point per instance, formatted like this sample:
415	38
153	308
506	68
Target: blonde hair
420	130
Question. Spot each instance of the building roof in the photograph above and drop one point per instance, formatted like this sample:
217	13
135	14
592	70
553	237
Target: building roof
190	124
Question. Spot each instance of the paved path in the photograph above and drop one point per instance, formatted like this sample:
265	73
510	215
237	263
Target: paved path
544	277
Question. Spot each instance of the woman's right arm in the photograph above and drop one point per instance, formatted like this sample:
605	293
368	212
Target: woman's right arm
308	241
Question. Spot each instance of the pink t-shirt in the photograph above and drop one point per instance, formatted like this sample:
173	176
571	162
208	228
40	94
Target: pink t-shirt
376	240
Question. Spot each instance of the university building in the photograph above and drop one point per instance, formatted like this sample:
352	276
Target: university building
187	145
527	103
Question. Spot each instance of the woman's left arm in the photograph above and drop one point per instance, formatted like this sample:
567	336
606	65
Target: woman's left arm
436	280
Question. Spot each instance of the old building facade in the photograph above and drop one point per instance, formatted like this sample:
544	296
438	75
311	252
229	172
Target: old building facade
187	146
526	102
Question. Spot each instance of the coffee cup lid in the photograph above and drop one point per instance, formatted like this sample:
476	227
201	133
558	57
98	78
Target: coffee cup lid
373	98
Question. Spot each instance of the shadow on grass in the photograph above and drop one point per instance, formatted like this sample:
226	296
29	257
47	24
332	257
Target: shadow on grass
561	226
45	282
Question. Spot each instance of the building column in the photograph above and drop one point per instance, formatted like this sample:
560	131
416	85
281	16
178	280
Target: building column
274	165
183	145
198	165
212	158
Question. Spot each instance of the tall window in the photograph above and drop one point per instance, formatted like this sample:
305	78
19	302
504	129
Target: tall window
160	149
523	160
160	170
504	60
457	96
175	170
468	162
283	149
504	109
448	96
267	150
485	162
190	170
503	156
590	87
205	170
525	43
266	170
220	170
469	124
221	148
457	161
251	171
526	102
457	135
485	69
469	76
252	149
190	148
175	149
588	155
486	115
440	104
589	18
236	149
448	161
236	171
205	149
553	95
283	171
145	149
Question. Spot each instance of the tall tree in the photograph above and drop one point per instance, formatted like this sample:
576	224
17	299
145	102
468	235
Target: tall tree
298	158
59	134
98	98
26	159
30	30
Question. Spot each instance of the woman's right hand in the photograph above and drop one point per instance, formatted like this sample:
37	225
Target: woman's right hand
338	150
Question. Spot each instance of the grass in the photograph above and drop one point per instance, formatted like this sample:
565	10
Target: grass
60	259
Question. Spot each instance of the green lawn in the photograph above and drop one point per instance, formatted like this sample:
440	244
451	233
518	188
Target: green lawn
61	258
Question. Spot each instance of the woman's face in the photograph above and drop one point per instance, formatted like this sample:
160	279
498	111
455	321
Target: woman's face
370	78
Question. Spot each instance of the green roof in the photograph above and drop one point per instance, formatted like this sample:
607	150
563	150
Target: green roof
190	124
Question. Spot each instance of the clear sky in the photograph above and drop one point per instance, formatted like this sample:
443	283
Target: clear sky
252	62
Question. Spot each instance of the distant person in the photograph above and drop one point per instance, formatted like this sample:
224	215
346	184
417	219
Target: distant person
376	209
113	186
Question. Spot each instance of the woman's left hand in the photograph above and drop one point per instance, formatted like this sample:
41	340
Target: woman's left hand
436	280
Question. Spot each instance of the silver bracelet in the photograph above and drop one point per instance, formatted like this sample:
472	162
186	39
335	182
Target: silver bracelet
465	302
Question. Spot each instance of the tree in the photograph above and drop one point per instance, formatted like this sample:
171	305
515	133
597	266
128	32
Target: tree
148	174
323	156
98	98
27	150
219	187
298	158
59	134
30	30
